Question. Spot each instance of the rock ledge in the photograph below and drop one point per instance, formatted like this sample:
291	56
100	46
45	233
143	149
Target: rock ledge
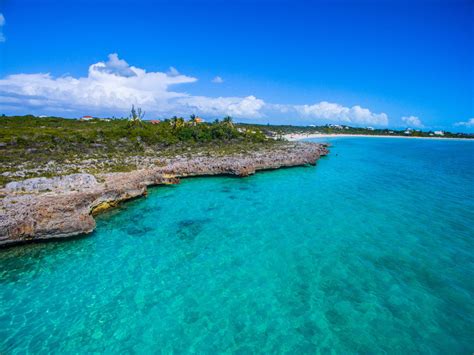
60	207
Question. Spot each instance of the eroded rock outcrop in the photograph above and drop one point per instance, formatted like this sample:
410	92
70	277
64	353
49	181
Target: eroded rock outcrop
61	207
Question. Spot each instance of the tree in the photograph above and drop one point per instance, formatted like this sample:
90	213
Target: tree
177	122
192	119
227	120
136	116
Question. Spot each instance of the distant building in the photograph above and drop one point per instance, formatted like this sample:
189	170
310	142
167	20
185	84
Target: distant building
86	118
439	133
408	131
42	116
199	120
312	125
371	128
155	121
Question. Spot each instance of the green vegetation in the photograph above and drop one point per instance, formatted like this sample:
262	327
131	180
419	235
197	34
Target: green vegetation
29	143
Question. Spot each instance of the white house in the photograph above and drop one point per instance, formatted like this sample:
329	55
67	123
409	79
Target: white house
86	118
439	133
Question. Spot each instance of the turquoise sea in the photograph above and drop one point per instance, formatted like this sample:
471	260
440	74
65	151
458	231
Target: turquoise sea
371	251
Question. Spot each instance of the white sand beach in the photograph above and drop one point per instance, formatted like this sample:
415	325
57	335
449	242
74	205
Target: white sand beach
301	136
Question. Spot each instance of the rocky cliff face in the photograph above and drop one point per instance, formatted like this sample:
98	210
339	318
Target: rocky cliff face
61	207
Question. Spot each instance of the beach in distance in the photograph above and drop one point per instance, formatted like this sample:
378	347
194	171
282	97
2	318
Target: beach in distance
304	136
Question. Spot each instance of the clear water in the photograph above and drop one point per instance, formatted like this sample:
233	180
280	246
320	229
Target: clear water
371	251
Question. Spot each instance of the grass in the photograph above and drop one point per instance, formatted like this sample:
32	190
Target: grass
32	146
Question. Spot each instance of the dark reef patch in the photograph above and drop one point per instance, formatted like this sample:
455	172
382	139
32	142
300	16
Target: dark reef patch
189	229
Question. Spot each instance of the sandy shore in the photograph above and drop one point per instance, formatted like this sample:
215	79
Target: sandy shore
301	136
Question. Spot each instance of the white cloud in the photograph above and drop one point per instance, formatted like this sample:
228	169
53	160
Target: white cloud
2	23
328	111
412	121
112	86
249	106
109	86
469	123
218	80
115	66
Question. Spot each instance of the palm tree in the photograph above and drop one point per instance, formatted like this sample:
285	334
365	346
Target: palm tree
192	119
136	116
177	122
181	122
174	121
227	120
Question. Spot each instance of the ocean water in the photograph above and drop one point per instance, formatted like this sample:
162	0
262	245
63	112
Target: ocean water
371	251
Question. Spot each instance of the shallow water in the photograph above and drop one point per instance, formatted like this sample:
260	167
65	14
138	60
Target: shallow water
371	251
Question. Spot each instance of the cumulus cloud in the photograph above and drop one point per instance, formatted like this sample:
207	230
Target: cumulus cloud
112	86
2	23
109	86
412	121
248	106
328	111
115	66
469	123
218	80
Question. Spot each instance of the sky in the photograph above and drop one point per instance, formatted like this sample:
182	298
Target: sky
386	63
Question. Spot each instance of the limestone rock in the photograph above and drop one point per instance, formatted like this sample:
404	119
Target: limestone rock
45	208
58	183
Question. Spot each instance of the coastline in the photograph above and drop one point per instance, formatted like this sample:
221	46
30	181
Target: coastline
60	207
301	136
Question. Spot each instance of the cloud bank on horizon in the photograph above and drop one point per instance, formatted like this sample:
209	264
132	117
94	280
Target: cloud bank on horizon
468	124
413	121
111	87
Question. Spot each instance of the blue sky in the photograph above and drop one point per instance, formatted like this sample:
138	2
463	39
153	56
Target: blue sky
300	62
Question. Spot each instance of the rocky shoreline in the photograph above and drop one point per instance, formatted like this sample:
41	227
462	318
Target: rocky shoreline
42	208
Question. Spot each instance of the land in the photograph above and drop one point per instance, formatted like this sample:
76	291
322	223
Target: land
59	173
300	132
53	146
302	136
